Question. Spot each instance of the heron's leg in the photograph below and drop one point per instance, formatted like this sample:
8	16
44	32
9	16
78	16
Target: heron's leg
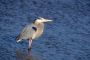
30	44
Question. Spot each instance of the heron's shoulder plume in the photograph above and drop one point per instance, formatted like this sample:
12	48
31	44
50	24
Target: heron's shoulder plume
34	28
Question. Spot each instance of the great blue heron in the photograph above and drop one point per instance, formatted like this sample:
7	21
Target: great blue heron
32	31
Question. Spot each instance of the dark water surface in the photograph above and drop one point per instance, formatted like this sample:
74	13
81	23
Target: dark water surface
66	38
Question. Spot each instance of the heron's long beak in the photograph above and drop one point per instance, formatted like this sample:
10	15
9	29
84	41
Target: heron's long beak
43	20
47	20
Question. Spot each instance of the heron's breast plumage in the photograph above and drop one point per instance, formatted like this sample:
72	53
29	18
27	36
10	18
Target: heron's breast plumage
39	31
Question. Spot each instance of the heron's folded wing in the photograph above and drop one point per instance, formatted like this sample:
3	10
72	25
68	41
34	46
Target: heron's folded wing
27	32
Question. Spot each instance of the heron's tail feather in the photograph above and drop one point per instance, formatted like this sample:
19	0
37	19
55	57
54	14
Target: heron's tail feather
18	40
18	37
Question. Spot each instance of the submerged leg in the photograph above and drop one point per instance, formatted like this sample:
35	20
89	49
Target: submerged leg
30	44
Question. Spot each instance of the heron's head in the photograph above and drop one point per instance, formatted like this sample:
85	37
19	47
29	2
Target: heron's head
42	20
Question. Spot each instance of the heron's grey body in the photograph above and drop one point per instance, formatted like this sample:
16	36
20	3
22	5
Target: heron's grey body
32	31
29	32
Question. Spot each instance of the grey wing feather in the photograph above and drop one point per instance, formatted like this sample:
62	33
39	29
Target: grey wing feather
27	32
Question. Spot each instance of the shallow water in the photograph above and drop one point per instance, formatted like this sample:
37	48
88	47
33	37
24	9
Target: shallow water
66	38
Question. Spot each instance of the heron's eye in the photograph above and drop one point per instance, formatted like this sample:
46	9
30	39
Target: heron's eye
34	28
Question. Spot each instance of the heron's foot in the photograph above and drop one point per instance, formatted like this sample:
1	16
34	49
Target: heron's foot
29	49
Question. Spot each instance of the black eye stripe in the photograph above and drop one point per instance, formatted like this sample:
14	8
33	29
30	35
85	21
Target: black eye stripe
34	28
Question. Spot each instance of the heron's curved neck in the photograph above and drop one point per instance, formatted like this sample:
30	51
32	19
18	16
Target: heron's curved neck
40	25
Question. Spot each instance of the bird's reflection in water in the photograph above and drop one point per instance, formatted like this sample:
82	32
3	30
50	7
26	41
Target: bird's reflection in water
23	55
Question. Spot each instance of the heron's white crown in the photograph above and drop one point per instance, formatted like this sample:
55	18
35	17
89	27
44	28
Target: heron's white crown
41	20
